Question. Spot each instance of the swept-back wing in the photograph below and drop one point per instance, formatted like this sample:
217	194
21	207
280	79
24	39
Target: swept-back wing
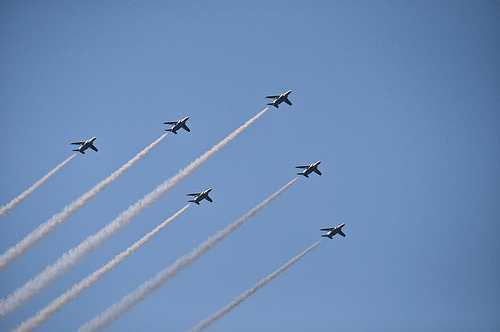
302	166
78	143
288	102
170	122
274	97
326	229
186	128
317	171
194	194
342	233
93	148
209	199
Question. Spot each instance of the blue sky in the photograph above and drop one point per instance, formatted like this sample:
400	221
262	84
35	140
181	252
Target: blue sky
398	99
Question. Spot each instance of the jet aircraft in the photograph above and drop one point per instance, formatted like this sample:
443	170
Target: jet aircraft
201	196
85	145
178	125
333	231
309	169
278	99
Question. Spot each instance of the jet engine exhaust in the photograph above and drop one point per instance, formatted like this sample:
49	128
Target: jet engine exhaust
57	304
140	293
12	204
238	300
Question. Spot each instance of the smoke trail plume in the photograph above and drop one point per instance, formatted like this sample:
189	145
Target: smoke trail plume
44	229
140	293
12	204
53	307
73	256
212	319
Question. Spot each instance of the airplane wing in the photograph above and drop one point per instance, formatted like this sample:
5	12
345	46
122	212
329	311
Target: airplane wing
93	148
302	166
288	102
78	143
317	171
170	122
342	233
209	199
194	194
326	229
274	97
186	128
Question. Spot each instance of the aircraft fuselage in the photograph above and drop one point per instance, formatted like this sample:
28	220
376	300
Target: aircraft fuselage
281	98
203	195
334	231
87	144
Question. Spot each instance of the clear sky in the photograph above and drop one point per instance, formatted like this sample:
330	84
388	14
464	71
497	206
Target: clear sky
398	99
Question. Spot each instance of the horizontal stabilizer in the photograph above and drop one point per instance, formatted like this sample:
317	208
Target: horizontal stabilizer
194	202
303	174
80	151
326	236
272	104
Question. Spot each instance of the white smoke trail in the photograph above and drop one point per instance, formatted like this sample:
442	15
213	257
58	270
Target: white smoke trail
12	204
56	305
140	293
212	319
44	229
73	256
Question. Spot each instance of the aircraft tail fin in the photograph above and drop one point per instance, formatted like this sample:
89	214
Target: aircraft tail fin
79	151
272	104
193	201
171	131
303	174
326	236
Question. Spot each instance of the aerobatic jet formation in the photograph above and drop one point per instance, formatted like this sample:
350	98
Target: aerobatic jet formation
278	99
85	145
201	196
176	125
308	169
333	231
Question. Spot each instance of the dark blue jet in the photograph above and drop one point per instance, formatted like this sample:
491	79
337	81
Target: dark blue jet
85	145
278	99
333	231
201	196
178	125
308	169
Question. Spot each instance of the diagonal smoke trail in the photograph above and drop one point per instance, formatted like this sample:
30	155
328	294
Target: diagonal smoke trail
212	319
44	229
12	204
53	307
140	293
73	256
